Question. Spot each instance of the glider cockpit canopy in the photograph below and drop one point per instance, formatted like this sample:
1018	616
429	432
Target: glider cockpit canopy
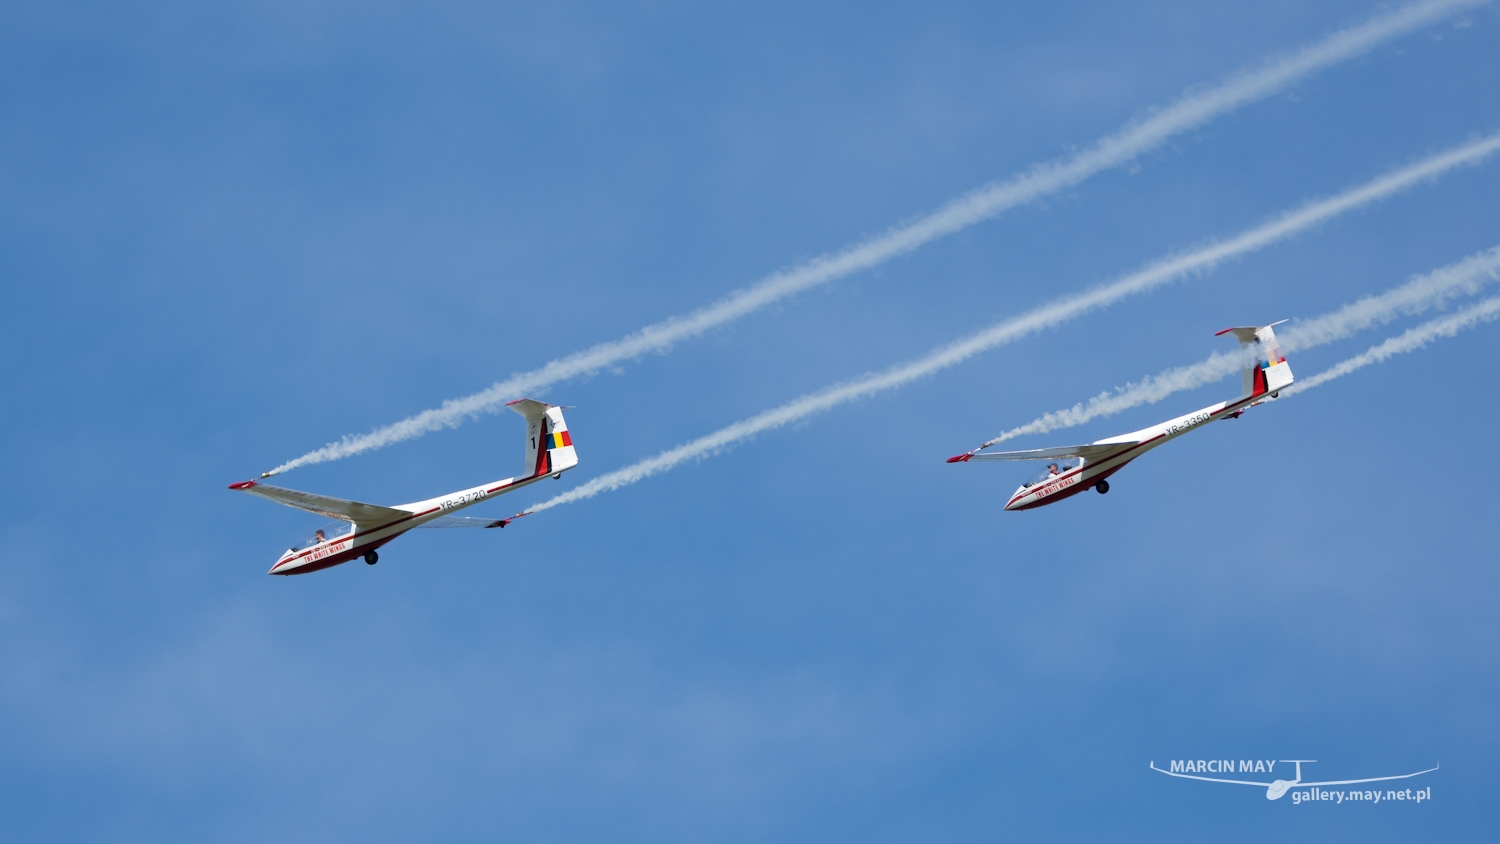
329	532
1060	464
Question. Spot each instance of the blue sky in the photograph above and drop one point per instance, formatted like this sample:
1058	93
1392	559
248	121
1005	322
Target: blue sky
233	236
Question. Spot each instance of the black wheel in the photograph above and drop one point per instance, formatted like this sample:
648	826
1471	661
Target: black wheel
372	558
1276	394
1101	487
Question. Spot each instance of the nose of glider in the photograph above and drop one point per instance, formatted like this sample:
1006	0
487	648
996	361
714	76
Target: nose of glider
281	566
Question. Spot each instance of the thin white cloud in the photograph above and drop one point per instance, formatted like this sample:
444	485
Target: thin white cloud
1055	313
1125	144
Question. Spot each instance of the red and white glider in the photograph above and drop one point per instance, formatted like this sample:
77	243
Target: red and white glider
1075	468
362	528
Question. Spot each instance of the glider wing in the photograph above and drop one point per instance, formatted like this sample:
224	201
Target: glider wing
1369	779
1210	779
1088	452
323	505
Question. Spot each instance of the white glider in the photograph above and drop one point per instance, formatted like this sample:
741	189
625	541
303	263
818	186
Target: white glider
362	528
1075	468
1276	788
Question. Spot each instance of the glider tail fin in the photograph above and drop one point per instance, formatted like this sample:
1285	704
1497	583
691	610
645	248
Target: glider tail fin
549	446
1267	371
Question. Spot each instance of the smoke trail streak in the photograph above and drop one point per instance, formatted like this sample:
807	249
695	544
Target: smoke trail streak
1112	150
1153	389
1431	290
1410	341
1047	316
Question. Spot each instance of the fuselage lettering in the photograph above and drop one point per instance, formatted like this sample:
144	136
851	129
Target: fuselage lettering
328	549
1190	422
463	500
1056	486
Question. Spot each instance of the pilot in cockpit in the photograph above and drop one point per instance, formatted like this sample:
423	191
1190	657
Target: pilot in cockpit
318	537
1052	470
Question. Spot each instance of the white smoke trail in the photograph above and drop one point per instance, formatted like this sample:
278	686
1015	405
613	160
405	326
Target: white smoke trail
1410	341
1049	315
1153	389
1421	293
1112	150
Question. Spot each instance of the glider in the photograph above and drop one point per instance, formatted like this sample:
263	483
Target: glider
1075	468
1276	788
360	529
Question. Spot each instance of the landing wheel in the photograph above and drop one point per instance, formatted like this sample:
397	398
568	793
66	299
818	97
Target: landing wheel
372	558
1101	487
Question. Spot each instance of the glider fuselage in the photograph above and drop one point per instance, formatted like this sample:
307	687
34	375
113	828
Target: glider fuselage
367	538
359	529
1075	468
1073	481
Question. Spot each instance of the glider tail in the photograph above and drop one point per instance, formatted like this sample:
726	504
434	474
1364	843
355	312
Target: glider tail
1267	370
549	447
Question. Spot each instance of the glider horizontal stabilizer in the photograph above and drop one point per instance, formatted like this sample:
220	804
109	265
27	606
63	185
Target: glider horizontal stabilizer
462	522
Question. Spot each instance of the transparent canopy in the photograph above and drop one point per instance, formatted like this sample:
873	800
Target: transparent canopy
1054	468
327	533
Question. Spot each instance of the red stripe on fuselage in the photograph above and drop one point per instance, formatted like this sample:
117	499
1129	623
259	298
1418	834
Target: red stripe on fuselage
345	556
356	551
332	560
1074	489
1069	492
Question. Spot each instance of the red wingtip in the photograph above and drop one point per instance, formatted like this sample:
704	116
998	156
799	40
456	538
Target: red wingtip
961	458
517	401
243	484
1225	331
503	522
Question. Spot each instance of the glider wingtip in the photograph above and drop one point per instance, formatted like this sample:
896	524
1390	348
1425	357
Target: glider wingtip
243	484
1222	333
503	522
961	458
